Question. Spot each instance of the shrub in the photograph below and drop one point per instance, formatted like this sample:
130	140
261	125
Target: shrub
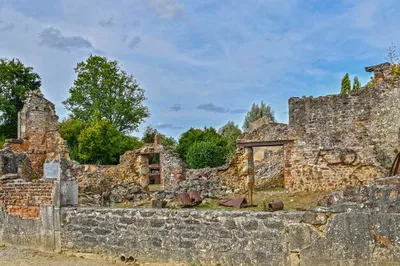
205	154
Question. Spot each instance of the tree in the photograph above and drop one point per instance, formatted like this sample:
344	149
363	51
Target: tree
356	84
205	154
70	129
392	55
102	143
346	84
103	91
231	131
15	81
193	135
187	139
150	133
256	112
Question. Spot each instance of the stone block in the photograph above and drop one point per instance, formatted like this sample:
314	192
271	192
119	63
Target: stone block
158	204
51	170
69	193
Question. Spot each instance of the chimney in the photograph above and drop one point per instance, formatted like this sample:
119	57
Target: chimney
157	139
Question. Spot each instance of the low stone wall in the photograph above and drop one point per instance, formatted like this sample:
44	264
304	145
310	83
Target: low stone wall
318	237
41	233
196	237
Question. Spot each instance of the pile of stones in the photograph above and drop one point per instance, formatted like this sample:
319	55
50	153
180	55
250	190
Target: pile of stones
205	181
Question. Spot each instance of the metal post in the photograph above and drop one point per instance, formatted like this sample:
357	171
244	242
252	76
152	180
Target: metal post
250	172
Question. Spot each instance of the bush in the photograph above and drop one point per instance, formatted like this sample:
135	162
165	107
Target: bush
205	154
102	143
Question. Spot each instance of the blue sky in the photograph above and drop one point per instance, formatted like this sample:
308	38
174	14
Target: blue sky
203	62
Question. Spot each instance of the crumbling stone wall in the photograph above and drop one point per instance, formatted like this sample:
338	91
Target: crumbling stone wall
336	140
39	137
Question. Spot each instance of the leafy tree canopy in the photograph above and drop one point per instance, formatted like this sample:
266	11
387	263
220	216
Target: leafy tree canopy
193	135
15	81
70	129
102	90
102	143
256	112
231	131
205	154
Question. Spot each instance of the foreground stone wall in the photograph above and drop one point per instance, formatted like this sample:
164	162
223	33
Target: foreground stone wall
198	237
317	237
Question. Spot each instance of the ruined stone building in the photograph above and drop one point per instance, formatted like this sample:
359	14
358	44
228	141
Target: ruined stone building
38	135
336	140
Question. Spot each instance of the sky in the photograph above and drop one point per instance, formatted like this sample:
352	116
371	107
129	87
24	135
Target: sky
203	62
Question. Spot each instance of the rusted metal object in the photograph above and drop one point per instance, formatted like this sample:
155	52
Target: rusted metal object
191	199
395	166
194	196
275	205
184	200
236	202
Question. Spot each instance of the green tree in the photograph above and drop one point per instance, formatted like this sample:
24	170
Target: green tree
205	154
193	135
15	81
231	131
103	89
70	129
187	139
256	112
150	133
169	142
356	84
102	143
346	84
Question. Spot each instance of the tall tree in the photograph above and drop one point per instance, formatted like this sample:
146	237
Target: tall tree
346	84
15	81
102	90
392	55
256	112
356	84
231	131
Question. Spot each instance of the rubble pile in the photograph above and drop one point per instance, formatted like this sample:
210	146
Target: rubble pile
205	181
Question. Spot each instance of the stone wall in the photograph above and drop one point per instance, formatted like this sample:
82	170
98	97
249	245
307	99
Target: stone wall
196	237
39	137
349	235
336	140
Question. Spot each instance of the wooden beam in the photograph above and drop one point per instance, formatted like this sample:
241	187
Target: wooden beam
263	143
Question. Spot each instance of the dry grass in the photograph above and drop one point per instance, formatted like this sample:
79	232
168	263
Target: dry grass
291	201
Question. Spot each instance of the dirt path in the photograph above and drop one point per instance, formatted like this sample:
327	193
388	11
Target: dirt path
11	256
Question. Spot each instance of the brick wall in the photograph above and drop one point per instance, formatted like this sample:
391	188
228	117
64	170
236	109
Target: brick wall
24	199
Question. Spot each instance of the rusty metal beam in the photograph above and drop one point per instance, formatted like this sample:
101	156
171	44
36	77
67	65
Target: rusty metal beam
263	143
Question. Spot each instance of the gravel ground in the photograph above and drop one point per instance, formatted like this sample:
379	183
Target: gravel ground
11	256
